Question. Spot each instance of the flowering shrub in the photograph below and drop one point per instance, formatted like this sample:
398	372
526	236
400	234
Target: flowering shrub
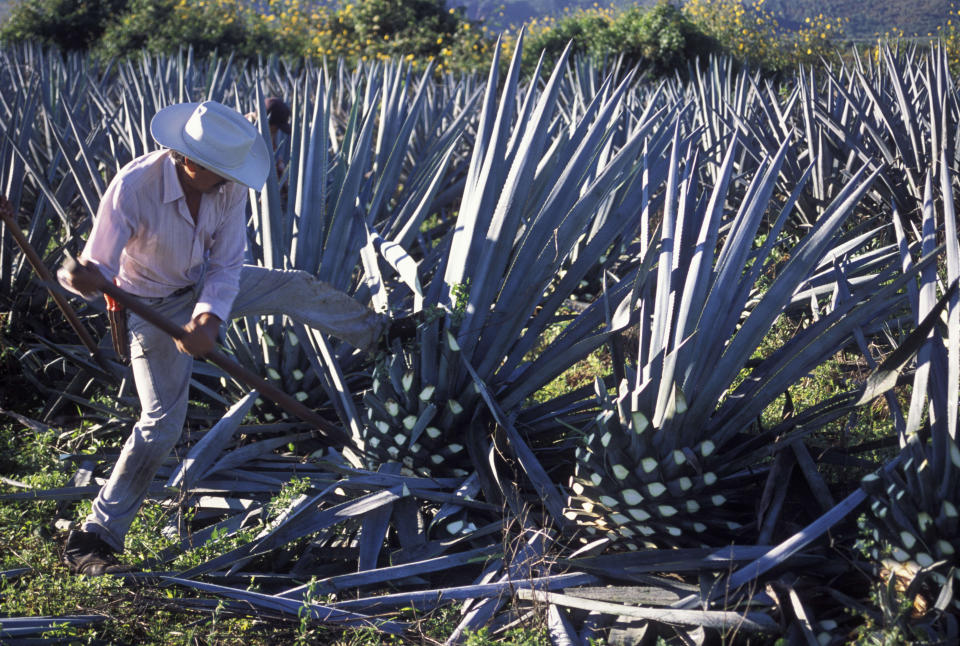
750	32
416	30
662	37
949	35
208	25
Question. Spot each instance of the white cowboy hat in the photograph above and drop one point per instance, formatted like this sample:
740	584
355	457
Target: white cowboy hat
217	138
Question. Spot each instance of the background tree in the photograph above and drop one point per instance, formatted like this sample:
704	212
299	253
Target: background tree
70	25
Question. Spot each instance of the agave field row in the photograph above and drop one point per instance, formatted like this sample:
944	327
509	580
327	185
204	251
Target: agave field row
715	240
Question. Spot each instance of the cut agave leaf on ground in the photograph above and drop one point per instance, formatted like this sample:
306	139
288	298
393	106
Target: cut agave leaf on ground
428	599
753	622
21	629
315	612
211	444
392	573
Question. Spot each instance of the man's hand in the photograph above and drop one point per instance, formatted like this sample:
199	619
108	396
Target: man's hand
201	335
81	277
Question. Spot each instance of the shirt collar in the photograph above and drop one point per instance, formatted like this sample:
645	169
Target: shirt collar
172	191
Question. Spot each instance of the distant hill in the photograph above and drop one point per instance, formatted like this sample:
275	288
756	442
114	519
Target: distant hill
867	17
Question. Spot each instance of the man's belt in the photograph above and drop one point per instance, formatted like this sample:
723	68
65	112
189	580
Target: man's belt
117	315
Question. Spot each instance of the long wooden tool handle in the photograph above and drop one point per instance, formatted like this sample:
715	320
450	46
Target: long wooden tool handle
231	367
37	263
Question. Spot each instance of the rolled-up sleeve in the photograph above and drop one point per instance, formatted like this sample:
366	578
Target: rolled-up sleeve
111	230
222	279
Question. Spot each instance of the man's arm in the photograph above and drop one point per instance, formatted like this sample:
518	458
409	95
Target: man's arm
225	260
100	260
222	279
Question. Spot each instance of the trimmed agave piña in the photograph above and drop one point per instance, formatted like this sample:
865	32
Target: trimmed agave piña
914	506
537	190
675	456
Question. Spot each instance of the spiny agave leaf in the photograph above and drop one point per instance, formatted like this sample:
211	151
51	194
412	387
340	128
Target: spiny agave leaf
803	258
719	619
41	183
18	628
786	549
335	584
82	359
886	374
244	454
952	243
663	293
469	489
560	628
32	424
493	261
631	565
9	575
315	611
373	530
405	266
428	599
485	169
373	278
226	527
799	355
301	525
78	493
894	126
295	524
345	221
922	300
89	193
698	274
534	266
341	391
211	444
415	212
576	341
546	490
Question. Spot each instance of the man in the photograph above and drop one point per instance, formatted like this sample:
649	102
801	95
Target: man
278	117
278	120
171	230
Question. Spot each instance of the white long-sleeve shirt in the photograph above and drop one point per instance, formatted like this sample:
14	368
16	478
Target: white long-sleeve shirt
145	240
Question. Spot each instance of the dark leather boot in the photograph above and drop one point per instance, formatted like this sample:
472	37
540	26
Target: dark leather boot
87	553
